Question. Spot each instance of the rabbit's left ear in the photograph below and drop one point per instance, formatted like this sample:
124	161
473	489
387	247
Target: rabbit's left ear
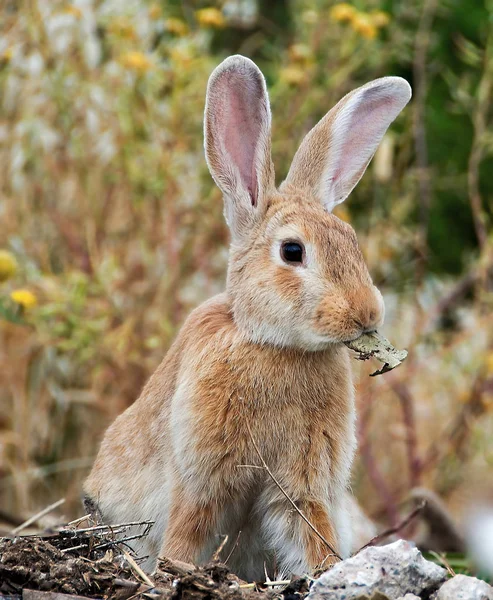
335	153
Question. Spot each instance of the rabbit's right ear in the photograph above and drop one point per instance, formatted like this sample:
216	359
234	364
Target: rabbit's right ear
237	131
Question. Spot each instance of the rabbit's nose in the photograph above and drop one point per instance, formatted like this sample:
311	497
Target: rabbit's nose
370	312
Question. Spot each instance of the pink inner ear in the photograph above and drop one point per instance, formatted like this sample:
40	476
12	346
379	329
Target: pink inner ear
362	133
239	124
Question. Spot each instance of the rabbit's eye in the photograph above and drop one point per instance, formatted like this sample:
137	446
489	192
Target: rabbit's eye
292	252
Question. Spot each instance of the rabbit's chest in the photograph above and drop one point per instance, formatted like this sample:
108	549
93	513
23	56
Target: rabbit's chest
295	413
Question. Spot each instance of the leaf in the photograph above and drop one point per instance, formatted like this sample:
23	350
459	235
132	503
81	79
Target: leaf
374	345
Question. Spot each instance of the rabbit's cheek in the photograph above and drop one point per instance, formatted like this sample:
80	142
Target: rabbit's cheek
332	318
287	284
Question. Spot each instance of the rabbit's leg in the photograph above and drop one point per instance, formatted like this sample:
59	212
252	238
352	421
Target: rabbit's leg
297	546
190	526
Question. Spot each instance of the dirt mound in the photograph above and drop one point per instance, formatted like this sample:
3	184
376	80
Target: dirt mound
95	563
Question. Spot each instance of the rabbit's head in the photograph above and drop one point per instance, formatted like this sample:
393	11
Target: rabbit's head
296	276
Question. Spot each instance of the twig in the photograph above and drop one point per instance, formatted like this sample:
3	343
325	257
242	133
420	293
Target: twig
110	528
288	498
233	548
79	520
443	560
395	529
216	555
120	541
137	569
63	550
37	516
251	586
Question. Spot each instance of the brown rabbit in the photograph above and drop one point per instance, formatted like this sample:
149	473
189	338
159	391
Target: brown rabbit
264	359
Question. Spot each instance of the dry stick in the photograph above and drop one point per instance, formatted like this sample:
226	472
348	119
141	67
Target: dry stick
111	528
251	586
233	548
120	541
293	504
215	556
37	516
395	529
63	550
137	569
79	520
444	562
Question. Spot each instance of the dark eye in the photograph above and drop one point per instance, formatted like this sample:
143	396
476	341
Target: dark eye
292	252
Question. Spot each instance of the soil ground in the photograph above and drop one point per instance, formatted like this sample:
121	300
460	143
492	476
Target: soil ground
93	563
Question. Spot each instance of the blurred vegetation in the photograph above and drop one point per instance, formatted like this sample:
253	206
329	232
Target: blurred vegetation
112	230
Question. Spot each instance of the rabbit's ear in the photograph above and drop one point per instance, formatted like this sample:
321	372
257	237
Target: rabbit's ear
237	131
335	153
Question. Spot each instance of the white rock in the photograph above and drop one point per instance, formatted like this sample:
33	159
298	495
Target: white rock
394	570
462	587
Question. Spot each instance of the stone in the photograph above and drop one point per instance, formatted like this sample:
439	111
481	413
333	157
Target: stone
463	587
393	570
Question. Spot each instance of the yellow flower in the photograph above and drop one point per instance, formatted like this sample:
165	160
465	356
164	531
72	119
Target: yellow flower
292	75
136	61
24	298
386	253
380	18
8	265
363	25
122	28
6	55
176	26
75	11
155	11
210	17
182	57
300	53
342	12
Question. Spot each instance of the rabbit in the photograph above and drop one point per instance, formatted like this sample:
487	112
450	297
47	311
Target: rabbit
262	365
